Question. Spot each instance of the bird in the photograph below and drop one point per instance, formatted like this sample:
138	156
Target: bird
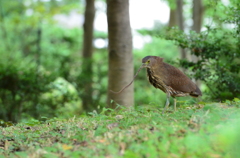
169	79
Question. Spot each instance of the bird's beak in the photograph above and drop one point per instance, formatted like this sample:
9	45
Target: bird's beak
144	65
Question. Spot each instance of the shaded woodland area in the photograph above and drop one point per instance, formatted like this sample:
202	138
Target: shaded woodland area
50	70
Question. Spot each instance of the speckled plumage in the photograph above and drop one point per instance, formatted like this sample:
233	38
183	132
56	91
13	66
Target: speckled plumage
169	79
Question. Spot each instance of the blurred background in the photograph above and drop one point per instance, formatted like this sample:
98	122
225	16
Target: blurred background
42	61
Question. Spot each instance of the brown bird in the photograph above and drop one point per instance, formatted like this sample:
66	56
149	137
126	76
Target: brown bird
169	79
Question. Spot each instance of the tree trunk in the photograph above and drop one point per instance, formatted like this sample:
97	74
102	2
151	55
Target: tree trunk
173	18
180	17
120	58
86	76
180	21
197	17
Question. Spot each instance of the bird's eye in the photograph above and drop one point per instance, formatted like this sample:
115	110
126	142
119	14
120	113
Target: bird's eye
148	61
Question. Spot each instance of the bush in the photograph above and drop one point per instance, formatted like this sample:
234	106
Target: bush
218	52
20	85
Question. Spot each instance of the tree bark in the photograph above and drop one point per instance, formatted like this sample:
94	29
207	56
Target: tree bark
180	21
86	76
180	17
197	17
173	18
120	58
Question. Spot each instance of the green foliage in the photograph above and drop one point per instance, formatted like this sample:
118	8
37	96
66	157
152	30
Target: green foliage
61	99
41	64
5	124
218	51
19	86
44	59
209	130
35	53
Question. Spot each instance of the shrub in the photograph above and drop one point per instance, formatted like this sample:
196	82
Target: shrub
218	52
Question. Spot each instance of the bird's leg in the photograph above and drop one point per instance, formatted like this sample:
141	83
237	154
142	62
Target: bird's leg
175	104
167	103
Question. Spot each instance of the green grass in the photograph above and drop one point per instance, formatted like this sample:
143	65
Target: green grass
208	130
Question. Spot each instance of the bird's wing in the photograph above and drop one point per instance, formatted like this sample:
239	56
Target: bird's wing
177	79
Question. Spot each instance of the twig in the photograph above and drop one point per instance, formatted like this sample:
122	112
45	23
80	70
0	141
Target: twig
129	83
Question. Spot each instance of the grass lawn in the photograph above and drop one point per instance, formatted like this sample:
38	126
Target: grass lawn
207	130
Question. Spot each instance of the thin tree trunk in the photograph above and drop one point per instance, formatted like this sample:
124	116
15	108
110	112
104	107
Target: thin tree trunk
173	18
120	59
38	62
180	21
180	17
197	16
86	77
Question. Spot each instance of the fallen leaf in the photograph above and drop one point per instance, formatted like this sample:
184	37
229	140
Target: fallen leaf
66	147
101	141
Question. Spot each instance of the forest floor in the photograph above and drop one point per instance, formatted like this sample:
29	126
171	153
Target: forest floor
204	130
